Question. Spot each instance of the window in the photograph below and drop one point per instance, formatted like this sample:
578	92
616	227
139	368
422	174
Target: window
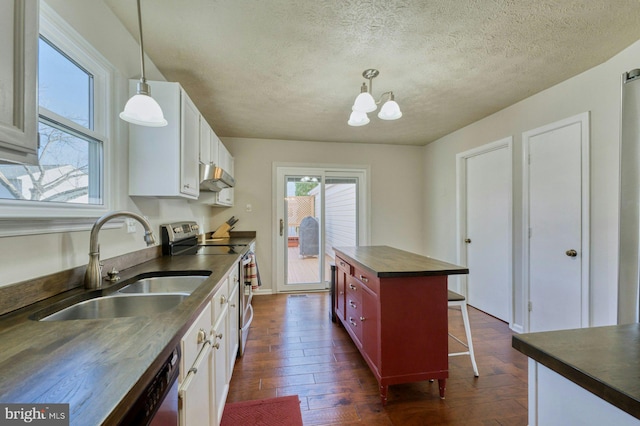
73	100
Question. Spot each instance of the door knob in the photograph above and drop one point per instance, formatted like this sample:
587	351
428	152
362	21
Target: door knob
467	240
571	253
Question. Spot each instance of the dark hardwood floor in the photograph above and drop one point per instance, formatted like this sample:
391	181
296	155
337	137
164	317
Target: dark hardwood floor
294	349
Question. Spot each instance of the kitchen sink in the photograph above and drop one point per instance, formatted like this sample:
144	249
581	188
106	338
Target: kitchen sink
130	305
183	284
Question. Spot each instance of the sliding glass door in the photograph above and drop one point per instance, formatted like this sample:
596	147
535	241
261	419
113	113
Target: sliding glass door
318	208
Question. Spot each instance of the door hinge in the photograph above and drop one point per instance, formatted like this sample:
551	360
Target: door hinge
530	306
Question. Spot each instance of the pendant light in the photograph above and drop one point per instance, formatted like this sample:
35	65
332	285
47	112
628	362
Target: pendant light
366	103
142	109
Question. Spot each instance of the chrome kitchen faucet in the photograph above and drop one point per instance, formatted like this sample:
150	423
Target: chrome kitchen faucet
93	274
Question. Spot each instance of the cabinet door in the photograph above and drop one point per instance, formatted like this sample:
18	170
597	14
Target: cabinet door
234	319
370	320
206	142
233	342
190	145
18	79
194	392
220	384
340	292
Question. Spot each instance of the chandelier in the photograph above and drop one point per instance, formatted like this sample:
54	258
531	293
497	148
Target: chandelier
366	103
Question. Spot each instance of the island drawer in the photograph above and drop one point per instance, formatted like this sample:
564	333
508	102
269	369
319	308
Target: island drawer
354	319
367	278
344	265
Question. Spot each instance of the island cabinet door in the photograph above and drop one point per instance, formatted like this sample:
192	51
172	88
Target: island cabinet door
370	321
340	292
343	270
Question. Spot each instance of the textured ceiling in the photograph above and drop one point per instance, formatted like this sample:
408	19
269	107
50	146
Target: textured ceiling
290	69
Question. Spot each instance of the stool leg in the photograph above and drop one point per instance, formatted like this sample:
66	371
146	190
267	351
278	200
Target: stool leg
467	330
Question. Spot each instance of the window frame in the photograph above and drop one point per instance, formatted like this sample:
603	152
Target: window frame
22	217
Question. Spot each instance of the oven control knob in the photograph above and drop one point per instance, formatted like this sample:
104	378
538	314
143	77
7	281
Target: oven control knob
194	227
177	230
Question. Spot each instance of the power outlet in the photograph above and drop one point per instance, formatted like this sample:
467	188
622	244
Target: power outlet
131	225
249	208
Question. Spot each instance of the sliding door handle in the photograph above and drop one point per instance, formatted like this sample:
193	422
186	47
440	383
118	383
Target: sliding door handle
281	227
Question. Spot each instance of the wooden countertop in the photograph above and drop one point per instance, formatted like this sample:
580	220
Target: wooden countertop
389	262
602	360
101	366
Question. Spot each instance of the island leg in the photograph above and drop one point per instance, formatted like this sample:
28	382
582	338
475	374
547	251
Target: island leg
442	386
383	394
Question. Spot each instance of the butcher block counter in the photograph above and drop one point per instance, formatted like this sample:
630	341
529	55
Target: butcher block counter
587	376
99	366
393	304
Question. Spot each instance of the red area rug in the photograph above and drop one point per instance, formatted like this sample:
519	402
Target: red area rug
284	410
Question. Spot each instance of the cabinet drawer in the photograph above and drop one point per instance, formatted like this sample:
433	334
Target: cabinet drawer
194	339
353	319
220	300
352	289
344	265
367	278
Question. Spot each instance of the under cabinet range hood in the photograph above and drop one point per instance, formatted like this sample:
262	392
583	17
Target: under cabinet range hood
214	179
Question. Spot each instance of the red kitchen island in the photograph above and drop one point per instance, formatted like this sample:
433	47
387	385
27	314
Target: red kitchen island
393	304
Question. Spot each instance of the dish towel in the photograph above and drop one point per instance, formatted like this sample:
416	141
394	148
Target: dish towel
251	273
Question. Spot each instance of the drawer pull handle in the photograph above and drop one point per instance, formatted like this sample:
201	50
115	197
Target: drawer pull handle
218	336
202	335
352	322
223	299
353	305
364	279
362	318
343	264
353	287
217	345
341	292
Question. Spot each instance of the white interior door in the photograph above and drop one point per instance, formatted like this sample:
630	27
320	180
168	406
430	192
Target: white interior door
556	187
488	231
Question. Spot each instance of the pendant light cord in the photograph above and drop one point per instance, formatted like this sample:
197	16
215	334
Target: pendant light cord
142	78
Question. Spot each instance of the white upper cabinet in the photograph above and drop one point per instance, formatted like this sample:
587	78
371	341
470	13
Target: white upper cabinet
163	161
225	196
18	79
208	143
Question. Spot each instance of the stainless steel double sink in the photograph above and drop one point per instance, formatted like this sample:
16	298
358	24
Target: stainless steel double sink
138	297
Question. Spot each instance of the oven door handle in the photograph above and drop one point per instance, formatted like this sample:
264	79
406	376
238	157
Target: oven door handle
246	325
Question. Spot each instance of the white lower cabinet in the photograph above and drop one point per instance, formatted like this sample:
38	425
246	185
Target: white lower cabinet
209	350
195	406
233	324
219	366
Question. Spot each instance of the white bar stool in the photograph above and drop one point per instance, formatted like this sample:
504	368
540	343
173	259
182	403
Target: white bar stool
456	299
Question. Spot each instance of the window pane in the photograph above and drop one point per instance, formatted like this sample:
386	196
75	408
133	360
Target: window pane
63	86
69	171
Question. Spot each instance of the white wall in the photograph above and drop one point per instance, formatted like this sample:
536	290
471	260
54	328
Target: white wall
395	181
597	91
23	258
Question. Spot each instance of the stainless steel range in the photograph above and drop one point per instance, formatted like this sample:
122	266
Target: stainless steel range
181	238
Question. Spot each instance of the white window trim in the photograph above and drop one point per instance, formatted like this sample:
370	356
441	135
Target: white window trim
28	217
